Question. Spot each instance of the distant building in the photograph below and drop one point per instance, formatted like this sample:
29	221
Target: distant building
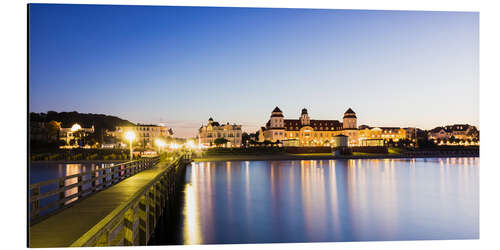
145	133
458	131
412	133
260	134
75	132
383	133
213	130
308	132
340	141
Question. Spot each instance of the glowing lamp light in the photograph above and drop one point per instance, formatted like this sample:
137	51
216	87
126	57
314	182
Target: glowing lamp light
75	127
190	144
159	142
130	135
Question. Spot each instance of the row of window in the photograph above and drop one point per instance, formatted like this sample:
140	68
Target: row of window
147	128
320	128
209	135
291	135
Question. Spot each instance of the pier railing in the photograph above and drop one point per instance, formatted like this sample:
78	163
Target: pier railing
134	222
61	193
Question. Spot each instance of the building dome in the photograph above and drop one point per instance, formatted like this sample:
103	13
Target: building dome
210	119
349	111
304	111
349	114
277	112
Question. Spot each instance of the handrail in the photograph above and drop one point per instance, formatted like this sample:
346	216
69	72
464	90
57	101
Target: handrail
98	179
107	223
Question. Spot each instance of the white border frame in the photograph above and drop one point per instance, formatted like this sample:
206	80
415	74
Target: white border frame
14	107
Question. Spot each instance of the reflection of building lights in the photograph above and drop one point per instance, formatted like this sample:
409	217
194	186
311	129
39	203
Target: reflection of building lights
192	228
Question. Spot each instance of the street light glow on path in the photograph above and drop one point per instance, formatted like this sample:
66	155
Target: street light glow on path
130	136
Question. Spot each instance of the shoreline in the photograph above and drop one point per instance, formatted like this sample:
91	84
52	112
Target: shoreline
283	157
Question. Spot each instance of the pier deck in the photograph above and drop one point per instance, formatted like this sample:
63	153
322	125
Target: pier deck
67	226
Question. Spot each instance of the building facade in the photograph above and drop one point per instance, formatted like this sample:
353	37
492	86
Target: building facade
458	131
75	133
145	134
384	133
309	132
207	134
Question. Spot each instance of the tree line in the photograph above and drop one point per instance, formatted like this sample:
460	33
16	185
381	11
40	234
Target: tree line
47	135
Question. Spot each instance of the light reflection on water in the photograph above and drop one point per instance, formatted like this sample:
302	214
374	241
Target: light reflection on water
43	171
331	200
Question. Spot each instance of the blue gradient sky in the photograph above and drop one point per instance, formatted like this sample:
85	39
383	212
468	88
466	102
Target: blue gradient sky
182	65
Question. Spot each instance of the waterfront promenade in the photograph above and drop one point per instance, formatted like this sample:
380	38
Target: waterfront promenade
330	156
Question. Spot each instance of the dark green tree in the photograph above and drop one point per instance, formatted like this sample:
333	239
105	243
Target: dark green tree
53	128
245	137
220	141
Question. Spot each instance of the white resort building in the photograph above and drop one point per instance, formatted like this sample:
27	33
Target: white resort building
308	132
145	133
207	134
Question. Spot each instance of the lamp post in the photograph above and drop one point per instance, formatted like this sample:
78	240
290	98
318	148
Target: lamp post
130	136
160	143
75	128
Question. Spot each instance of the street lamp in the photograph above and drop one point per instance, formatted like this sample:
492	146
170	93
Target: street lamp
190	144
160	143
75	128
174	145
130	136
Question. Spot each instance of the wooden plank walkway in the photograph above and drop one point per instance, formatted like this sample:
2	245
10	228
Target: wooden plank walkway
67	226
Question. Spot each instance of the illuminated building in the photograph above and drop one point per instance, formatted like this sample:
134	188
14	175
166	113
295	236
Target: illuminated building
458	131
382	133
75	132
308	132
207	134
145	133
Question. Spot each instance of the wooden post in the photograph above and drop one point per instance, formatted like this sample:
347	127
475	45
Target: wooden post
62	194
35	205
93	181
103	240
152	209
80	186
144	220
128	222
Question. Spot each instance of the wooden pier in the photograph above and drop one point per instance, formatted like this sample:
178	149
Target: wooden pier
122	214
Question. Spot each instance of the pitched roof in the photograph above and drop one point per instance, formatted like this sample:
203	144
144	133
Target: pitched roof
457	127
349	114
451	128
349	111
277	109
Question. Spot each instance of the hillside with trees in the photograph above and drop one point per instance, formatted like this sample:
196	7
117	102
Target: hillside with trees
67	119
100	122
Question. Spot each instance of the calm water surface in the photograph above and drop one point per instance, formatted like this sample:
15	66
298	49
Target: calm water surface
331	200
43	171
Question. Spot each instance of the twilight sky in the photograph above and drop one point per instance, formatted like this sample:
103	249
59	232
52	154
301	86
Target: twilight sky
182	65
